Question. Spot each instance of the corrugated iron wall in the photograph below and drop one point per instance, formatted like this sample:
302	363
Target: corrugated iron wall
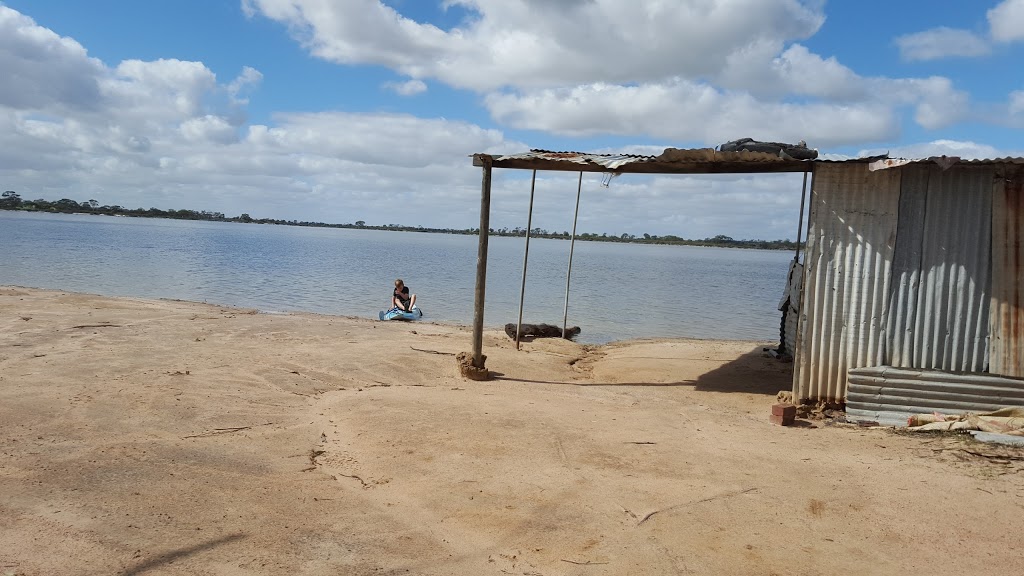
1007	310
889	395
941	273
851	238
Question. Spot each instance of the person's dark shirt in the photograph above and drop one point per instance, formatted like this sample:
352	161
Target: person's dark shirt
403	295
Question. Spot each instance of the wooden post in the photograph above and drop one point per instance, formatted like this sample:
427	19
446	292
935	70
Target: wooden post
481	264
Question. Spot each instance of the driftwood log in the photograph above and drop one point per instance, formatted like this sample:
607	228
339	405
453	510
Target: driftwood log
540	331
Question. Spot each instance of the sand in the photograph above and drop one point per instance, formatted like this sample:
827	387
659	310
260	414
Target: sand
166	437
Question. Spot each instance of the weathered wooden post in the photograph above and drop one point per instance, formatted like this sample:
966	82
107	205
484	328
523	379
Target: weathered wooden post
476	368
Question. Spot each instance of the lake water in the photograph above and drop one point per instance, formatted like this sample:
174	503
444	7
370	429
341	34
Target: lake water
619	291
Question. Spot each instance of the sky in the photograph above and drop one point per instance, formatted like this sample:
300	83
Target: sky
345	110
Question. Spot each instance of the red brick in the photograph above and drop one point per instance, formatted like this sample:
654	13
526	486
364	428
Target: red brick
781	420
787	410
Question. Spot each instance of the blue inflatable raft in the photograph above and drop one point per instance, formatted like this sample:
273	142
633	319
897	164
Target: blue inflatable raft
399	314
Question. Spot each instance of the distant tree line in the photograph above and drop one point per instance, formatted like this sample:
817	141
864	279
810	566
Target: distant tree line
11	200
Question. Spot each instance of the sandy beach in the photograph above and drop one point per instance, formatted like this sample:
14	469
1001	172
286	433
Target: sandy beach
166	437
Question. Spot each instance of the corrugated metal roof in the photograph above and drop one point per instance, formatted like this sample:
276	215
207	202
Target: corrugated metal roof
708	161
609	161
944	162
671	161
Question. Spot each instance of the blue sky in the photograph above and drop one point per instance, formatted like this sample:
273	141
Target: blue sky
352	110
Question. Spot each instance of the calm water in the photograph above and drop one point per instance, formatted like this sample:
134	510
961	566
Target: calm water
619	291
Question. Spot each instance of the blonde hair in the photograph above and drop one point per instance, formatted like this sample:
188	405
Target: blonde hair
399	282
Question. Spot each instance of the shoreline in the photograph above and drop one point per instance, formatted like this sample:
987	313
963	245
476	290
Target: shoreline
582	237
425	320
154	436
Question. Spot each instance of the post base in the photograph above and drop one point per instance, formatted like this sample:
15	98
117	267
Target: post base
468	370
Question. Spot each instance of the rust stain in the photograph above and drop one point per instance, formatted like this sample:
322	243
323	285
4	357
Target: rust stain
1011	309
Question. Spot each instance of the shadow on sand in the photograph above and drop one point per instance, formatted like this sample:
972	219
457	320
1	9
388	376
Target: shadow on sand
173	555
752	373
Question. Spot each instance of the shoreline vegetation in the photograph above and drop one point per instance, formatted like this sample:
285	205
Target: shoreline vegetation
12	201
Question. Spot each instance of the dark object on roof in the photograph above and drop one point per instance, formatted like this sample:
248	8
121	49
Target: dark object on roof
798	151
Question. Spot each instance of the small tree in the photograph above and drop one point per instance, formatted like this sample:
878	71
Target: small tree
10	199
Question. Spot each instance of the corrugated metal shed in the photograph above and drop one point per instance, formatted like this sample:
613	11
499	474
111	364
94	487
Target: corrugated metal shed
848	264
1007	343
913	262
940	295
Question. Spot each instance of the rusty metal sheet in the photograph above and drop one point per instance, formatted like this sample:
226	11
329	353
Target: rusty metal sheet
944	162
711	161
941	278
1007	308
851	238
671	161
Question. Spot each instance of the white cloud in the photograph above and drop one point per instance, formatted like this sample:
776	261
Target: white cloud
1017	103
1007	21
208	129
941	42
937	103
691	69
166	133
179	87
68	80
1006	24
249	78
409	88
763	71
528	43
682	110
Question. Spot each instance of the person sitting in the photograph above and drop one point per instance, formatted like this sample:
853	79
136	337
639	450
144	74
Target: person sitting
402	298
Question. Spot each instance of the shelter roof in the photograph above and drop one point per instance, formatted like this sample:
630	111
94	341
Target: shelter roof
671	161
705	161
945	162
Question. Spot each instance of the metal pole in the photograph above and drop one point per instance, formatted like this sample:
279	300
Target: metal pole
572	245
800	226
481	264
526	258
801	323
